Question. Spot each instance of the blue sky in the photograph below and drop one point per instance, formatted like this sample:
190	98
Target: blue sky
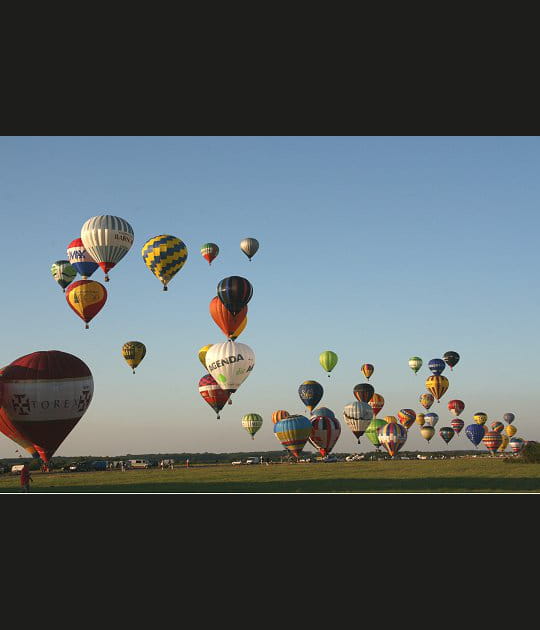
378	248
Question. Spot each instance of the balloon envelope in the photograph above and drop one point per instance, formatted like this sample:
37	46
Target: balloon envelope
492	440
437	366
447	433
86	298
164	255
457	425
107	239
376	402
431	418
372	432
363	392
310	393
455	407
509	417
475	432
328	360
230	363
249	246
63	273
235	292
393	436
437	385
209	252
407	417
324	433
278	415
415	363
293	433
358	416
228	322
80	259
497	426
480	417
202	354
213	394
451	358
133	353
252	422
427	432
367	370
426	400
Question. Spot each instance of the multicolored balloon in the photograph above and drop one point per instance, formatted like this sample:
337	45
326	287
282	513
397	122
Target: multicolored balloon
437	385
324	433
164	255
497	426
480	417
228	323
451	358
310	393
455	407
427	432
509	417
437	366
426	400
358	416
393	436
376	402
457	425
63	273
80	259
407	417
431	418
328	360
372	432
213	394
278	415
475	432
44	395
420	419
492	441
133	353
517	445
235	292
415	363
447	433
390	419
323	411
293	433
209	252
367	370
86	298
107	239
230	363
249	246
363	392
252	422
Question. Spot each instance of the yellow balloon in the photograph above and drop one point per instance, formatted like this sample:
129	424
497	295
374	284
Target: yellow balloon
437	385
427	432
504	443
420	419
510	430
202	354
240	329
133	352
480	417
390	419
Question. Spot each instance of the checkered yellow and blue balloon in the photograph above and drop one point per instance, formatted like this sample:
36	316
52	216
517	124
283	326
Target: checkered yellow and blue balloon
164	255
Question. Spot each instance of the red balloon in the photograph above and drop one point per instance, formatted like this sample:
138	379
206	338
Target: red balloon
86	298
456	407
44	395
228	322
213	394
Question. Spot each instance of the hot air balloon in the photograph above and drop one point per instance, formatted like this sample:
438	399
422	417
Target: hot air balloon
44	395
213	394
358	416
437	385
230	363
509	417
376	402
390	419
240	329
437	366
457	425
451	358
480	417
209	251
310	393
372	432
293	433
164	255
426	400
497	426
517	445
431	418
510	430
420	419
107	239
133	352
492	440
252	422
228	322
63	273
475	432
447	433
328	360
393	436
235	292
367	370
202	354
407	417
427	432
80	259
249	246
323	411
278	415
504	443
456	407
86	298
415	363
324	433
363	392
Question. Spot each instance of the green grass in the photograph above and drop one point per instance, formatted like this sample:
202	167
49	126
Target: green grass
462	475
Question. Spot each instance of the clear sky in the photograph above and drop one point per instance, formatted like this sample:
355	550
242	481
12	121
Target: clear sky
377	248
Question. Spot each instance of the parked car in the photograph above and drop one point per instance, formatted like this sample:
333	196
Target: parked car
239	463
139	463
330	459
252	460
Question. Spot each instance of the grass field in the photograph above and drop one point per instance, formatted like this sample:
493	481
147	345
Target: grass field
463	475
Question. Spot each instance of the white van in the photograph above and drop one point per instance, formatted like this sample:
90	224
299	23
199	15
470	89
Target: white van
139	463
17	469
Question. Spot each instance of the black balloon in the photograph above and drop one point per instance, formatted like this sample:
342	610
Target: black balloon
235	292
363	392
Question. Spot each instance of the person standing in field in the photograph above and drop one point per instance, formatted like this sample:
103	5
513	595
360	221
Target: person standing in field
26	478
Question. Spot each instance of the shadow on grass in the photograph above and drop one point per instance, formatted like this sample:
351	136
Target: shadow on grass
454	484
